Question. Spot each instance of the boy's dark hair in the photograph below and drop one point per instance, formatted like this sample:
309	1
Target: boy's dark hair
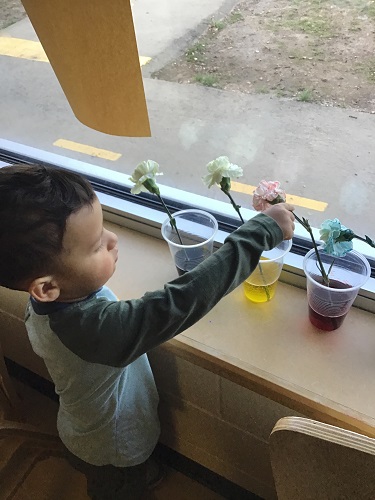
35	202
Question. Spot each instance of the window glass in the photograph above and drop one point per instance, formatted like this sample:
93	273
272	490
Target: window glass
284	89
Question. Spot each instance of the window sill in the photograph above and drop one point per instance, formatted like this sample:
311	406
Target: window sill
269	348
148	221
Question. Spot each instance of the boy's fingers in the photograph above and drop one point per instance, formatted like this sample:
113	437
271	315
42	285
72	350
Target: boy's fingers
289	207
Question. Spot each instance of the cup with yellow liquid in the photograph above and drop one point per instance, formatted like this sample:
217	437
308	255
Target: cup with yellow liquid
260	286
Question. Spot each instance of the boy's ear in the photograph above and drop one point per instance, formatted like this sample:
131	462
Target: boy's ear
44	289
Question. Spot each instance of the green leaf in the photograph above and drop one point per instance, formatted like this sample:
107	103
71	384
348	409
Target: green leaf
369	241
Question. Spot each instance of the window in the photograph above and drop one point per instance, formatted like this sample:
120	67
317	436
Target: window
286	93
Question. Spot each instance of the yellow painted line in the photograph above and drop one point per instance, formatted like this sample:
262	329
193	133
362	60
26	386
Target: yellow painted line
87	150
299	201
28	49
24	49
144	60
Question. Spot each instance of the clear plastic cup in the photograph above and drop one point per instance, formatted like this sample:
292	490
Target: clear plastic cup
328	306
195	238
261	285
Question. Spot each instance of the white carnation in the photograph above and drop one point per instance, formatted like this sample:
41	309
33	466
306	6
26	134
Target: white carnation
148	169
219	168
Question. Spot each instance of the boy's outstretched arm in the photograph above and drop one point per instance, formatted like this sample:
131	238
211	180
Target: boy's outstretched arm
116	333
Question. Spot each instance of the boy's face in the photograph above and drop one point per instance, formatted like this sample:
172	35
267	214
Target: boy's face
89	254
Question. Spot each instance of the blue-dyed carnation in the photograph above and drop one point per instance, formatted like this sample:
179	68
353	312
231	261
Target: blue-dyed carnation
334	234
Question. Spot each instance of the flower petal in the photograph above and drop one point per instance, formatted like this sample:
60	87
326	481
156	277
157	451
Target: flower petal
147	169
330	232
266	192
219	168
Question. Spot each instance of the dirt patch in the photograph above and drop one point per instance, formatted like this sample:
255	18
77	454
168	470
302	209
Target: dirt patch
11	11
318	51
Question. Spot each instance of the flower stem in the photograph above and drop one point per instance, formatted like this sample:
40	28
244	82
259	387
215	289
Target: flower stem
367	240
299	220
264	283
171	218
234	204
306	225
237	209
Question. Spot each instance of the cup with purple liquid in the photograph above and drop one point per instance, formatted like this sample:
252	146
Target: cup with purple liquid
194	239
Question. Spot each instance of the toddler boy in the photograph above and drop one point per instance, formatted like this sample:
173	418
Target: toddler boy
53	245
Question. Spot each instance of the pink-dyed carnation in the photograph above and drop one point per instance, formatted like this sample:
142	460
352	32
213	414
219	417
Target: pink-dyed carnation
266	193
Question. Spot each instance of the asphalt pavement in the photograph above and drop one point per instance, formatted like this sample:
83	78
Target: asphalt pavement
321	154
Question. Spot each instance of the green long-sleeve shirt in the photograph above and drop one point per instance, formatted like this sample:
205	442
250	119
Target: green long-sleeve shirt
95	349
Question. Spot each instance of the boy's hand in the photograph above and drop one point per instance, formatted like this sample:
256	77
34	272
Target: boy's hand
282	213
